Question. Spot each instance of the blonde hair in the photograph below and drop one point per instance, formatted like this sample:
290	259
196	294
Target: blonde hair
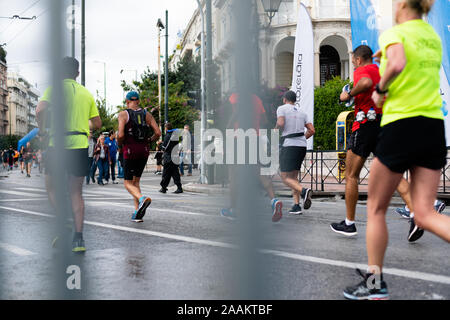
421	6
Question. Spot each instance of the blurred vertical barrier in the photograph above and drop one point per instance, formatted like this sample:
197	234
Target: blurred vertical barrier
67	267
245	176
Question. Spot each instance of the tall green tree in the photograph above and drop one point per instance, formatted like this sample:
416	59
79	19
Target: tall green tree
109	119
186	78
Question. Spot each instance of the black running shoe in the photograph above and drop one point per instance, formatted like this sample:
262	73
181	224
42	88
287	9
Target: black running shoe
343	228
144	203
415	233
178	191
368	289
306	196
296	209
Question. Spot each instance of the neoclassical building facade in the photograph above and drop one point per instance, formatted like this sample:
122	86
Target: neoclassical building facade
332	39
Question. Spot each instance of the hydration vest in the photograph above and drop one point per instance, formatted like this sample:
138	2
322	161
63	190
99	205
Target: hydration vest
140	130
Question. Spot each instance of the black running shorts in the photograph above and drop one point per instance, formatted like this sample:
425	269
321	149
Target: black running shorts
413	142
133	168
291	158
363	141
75	161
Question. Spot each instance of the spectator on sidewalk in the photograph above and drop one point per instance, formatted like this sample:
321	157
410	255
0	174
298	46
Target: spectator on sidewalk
101	154
159	158
111	142
91	163
186	148
170	169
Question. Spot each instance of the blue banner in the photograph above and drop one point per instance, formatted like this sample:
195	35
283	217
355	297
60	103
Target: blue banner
30	136
439	18
364	24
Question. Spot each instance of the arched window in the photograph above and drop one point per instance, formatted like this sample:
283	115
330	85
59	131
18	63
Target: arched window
330	64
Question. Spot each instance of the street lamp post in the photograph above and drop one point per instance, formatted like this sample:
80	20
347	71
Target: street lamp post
160	27
271	8
166	78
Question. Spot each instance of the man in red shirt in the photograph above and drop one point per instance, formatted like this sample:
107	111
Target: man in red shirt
366	127
259	119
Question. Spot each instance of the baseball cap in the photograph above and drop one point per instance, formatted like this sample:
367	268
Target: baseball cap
132	95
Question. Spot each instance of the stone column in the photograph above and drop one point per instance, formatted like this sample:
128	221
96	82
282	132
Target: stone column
317	69
350	65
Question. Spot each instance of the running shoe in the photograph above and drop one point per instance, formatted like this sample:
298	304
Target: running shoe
134	219
366	289
403	212
440	206
78	245
296	210
178	191
144	202
343	228
227	213
306	196
415	233
277	210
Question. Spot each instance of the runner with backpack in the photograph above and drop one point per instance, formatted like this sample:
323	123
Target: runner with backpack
135	128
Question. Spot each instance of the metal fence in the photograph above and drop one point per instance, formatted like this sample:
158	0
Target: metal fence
325	171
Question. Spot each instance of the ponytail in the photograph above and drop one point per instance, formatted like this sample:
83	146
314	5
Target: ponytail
421	6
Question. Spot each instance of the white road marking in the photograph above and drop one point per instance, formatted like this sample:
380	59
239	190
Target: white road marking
33	189
128	206
22	200
17	193
16	250
392	271
344	264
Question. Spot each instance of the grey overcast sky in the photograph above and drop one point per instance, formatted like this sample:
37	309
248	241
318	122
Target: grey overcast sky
121	33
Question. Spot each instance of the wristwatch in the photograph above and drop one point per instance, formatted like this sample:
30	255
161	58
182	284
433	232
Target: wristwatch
378	90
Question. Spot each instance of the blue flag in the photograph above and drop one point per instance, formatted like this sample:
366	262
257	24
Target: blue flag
364	24
30	136
439	18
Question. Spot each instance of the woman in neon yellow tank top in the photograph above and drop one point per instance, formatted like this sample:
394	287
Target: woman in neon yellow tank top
412	136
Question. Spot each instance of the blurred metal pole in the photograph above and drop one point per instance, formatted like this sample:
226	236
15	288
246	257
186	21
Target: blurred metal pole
58	180
203	179
73	28
246	176
209	70
83	42
166	80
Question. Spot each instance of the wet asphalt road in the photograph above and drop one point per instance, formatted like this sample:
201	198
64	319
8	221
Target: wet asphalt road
183	250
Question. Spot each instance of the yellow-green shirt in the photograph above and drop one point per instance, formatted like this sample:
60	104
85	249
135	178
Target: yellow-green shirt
81	108
415	92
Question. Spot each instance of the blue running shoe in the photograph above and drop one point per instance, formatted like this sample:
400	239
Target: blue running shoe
403	212
134	219
277	210
227	213
144	202
440	206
